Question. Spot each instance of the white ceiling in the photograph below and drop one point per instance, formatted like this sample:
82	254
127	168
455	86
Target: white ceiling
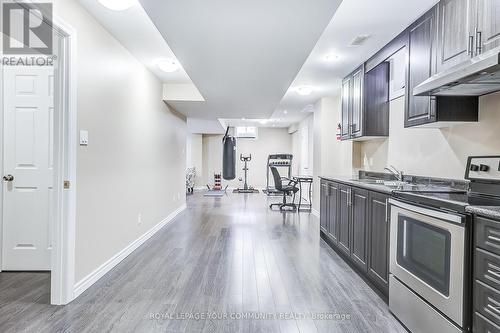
382	20
135	30
241	55
247	58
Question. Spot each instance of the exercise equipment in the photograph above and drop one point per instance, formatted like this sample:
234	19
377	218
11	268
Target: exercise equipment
246	188
282	161
216	190
228	156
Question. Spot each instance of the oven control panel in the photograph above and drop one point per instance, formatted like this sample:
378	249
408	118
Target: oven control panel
486	168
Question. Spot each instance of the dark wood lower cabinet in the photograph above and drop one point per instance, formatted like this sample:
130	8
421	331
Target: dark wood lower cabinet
333	203
323	206
356	224
359	219
378	240
344	216
486	284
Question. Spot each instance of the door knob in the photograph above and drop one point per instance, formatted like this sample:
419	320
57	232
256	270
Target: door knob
8	178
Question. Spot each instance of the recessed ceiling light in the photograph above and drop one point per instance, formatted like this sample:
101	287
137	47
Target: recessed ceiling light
168	65
332	57
304	90
285	111
118	5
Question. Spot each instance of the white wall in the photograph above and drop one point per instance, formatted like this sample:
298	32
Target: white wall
435	152
194	156
269	141
135	162
303	159
331	157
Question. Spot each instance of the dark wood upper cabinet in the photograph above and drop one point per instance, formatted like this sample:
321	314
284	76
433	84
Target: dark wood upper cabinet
456	22
378	241
488	24
365	97
376	101
359	227
356	110
421	64
346	105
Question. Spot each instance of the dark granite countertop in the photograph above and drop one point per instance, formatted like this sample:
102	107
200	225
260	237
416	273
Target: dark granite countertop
492	212
359	182
386	183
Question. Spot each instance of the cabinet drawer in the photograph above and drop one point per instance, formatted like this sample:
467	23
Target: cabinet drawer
487	268
488	235
487	301
483	325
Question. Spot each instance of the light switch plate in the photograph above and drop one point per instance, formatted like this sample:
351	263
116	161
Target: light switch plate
84	138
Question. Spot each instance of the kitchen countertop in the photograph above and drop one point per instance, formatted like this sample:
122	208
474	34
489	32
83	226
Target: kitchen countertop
492	212
386	183
356	181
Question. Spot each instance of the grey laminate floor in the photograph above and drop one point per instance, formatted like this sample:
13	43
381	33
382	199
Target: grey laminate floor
223	256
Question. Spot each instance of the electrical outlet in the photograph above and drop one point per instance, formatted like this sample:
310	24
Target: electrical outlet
139	219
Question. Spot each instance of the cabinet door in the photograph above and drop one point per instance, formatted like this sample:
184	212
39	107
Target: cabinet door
359	226
333	212
344	241
456	27
357	103
421	60
346	105
378	241
323	207
488	25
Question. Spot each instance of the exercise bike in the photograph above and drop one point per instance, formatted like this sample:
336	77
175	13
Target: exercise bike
246	188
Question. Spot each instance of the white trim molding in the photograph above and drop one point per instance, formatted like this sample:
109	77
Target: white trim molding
102	270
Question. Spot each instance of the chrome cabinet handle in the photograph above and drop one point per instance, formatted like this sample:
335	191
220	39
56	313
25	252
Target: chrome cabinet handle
8	178
479	42
387	210
470	46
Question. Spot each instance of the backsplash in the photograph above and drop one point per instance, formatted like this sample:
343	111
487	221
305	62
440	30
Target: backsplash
434	152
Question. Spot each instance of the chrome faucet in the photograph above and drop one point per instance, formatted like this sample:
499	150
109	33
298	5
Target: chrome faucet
395	172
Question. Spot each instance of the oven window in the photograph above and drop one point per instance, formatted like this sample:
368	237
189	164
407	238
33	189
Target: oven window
424	250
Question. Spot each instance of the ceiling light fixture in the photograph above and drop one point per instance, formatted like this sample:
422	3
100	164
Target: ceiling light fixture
118	5
332	57
168	65
263	121
304	90
285	112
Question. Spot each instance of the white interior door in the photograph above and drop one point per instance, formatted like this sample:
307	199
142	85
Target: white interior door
28	158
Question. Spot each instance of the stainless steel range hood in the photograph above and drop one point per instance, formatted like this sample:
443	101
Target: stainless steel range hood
478	76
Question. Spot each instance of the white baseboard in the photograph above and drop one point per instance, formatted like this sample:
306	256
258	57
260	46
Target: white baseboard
93	277
315	212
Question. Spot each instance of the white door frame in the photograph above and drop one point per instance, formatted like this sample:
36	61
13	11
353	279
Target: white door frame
64	203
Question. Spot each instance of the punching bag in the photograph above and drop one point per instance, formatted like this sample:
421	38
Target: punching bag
228	156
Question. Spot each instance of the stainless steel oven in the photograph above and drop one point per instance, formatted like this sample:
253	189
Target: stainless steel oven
428	257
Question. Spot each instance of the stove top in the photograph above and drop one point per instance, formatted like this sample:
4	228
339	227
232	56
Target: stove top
456	202
484	175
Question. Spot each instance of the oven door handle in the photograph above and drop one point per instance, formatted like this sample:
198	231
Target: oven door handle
457	219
